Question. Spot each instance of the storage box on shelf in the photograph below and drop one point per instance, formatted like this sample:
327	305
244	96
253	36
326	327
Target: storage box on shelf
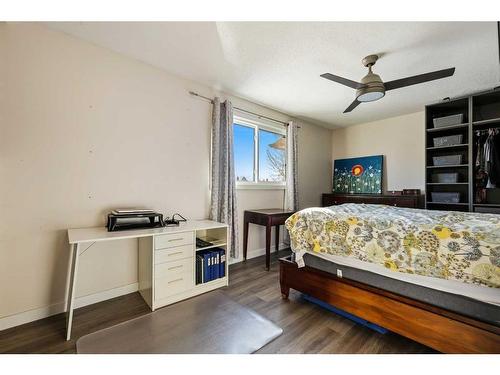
443	197
448	140
444	121
454	159
443	178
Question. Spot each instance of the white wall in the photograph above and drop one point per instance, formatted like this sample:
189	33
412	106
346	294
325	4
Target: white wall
84	129
400	139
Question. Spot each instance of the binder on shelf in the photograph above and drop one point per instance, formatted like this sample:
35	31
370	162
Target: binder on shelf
222	263
199	269
210	266
215	255
206	267
219	260
213	275
196	271
214	265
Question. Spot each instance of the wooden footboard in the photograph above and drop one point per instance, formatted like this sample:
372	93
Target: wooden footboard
437	328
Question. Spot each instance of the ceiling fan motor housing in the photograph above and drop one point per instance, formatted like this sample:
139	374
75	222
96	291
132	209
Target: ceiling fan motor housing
373	88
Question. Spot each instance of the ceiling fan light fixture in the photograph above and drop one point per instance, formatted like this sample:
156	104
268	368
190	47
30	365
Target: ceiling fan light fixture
372	89
370	96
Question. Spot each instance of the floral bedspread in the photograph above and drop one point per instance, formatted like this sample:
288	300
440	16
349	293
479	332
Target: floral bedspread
443	244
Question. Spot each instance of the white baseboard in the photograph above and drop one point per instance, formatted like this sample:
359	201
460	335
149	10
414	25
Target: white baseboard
256	253
57	308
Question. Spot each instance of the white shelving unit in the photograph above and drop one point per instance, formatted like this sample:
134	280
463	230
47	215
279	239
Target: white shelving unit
167	264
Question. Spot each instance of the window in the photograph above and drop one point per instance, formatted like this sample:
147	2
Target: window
271	157
244	158
259	153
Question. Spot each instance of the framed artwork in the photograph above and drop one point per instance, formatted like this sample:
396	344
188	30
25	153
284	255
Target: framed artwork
361	175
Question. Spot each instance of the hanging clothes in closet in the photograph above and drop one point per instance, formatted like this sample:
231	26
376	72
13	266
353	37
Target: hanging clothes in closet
487	171
492	158
480	176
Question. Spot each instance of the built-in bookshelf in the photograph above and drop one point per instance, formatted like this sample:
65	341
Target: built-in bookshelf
479	112
211	264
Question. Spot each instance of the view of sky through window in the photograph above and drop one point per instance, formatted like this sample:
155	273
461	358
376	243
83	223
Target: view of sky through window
243	152
271	160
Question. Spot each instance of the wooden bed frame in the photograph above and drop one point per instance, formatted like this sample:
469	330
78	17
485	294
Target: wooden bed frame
437	328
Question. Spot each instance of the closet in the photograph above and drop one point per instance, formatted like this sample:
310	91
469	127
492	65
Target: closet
486	152
462	153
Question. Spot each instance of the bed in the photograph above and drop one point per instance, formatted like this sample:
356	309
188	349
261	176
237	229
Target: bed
433	276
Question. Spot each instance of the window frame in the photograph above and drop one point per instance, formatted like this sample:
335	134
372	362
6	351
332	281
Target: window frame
259	124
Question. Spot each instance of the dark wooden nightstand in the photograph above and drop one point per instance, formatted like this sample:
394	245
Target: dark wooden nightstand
270	217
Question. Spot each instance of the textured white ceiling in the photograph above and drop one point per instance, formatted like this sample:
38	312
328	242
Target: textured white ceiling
278	64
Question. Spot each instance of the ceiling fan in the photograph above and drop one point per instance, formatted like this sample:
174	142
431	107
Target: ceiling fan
372	87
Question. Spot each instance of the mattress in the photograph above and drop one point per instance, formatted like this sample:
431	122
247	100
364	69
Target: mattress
470	300
452	246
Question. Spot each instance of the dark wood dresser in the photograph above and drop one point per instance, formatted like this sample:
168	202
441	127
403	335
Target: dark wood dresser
410	201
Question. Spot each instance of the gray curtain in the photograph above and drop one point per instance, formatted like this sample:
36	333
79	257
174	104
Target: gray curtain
223	193
292	192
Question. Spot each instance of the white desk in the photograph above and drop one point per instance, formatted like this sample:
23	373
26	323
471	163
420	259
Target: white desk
167	268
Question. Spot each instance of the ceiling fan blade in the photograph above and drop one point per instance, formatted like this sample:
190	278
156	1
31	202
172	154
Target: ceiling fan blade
353	105
342	80
421	78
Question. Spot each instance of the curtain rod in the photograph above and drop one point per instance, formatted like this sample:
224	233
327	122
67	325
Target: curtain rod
241	109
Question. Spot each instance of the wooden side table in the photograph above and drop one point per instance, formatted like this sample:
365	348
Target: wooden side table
271	217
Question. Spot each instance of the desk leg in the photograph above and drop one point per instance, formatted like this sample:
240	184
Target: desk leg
70	302
268	246
245	238
277	232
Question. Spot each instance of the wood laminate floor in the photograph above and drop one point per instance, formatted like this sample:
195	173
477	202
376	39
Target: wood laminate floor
307	328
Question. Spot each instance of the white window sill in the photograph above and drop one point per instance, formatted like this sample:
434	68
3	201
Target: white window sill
257	186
